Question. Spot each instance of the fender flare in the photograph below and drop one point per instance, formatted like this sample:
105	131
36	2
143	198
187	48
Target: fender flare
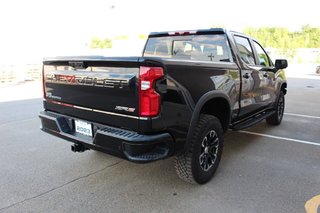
278	92
201	102
282	83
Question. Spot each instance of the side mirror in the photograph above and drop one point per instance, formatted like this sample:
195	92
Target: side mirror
281	64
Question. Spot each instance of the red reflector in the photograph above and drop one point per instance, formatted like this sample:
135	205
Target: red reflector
182	33
149	99
60	103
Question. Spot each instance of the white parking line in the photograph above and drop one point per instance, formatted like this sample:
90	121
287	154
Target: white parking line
280	138
304	116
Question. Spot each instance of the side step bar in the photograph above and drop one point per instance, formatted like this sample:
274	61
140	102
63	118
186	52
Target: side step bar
251	121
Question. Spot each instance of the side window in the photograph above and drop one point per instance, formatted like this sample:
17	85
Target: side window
263	57
245	50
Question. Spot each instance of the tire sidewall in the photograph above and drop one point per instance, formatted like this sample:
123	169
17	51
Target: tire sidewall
198	173
281	98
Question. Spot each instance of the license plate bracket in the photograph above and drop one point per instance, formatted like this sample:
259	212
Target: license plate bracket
83	127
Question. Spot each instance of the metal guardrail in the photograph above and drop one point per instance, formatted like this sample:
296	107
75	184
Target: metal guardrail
7	74
34	72
14	73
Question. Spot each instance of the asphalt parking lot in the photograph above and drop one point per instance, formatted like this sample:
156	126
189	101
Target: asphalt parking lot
263	169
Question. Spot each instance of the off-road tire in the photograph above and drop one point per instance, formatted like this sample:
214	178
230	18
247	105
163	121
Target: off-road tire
276	118
188	164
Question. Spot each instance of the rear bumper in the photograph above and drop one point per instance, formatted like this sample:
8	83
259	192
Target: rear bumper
119	142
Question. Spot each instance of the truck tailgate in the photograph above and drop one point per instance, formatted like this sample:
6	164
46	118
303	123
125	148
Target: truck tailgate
102	90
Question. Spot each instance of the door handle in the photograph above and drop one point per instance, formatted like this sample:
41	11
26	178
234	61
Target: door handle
246	75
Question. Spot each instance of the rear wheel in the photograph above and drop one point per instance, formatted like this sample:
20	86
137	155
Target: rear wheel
276	118
201	159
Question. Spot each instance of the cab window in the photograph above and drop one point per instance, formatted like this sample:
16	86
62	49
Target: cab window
213	48
262	55
245	50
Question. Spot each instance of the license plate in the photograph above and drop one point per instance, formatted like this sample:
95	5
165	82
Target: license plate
83	127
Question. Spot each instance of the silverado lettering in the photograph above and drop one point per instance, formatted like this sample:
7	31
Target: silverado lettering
87	81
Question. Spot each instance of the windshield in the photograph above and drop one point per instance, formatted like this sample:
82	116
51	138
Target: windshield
213	48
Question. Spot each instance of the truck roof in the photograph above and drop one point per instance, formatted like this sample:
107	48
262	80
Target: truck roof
186	32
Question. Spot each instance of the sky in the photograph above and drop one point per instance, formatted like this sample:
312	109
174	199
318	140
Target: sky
39	28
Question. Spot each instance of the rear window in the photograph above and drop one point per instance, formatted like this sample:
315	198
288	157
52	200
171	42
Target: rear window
213	48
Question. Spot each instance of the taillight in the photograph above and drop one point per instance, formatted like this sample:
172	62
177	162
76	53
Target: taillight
149	99
179	33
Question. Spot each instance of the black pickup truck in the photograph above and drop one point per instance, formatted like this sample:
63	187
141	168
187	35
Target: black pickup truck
178	99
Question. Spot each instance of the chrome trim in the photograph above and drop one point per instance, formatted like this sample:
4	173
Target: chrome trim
84	108
110	113
122	115
99	111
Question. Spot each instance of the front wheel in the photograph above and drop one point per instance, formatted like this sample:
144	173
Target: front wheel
276	118
201	159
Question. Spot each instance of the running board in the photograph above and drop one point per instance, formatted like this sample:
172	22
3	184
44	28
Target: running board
251	121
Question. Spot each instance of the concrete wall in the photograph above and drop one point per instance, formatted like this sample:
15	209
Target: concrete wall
13	73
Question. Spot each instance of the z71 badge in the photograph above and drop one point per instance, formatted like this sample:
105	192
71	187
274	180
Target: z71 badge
123	108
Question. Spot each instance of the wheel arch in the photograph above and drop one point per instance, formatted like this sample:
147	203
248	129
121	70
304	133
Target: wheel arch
283	88
215	103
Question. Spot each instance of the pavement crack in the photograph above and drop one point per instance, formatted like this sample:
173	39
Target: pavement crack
61	186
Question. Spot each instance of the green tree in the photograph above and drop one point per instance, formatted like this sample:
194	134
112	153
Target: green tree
143	36
285	41
277	37
97	43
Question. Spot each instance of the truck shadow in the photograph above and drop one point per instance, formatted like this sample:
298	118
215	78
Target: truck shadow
162	174
159	181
